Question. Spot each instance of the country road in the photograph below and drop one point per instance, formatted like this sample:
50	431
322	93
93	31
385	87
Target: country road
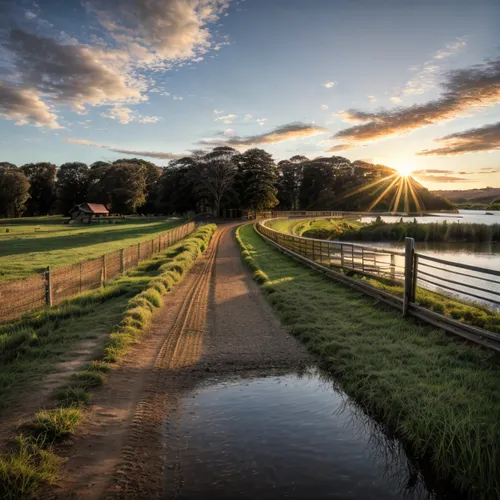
220	401
216	323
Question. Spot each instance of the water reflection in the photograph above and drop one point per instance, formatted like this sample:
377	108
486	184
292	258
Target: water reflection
289	436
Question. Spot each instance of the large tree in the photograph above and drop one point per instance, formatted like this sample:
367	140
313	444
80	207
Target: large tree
71	185
213	175
121	186
14	191
42	179
175	189
289	181
257	176
153	174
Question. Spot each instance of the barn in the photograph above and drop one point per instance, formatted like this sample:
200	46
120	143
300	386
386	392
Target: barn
84	213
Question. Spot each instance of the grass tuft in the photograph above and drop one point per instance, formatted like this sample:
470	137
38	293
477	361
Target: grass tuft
55	425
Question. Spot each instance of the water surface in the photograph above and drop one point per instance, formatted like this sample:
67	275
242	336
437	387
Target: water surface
291	436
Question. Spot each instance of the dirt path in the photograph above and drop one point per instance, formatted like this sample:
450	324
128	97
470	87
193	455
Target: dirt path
215	323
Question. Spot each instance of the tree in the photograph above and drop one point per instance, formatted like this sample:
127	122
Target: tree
256	180
289	181
212	175
14	191
42	179
121	186
153	174
71	185
175	189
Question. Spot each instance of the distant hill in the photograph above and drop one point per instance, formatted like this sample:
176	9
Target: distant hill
484	195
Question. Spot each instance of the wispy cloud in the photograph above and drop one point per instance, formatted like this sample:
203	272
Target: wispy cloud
126	115
287	132
149	154
227	119
463	91
481	139
324	106
372	98
329	84
425	77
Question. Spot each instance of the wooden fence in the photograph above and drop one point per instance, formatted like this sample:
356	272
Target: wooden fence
408	269
54	286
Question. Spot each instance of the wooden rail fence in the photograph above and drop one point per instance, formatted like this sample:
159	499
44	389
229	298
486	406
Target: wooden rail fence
55	285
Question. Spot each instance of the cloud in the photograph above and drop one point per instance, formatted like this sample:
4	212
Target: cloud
463	91
329	84
218	112
284	133
339	147
395	99
178	98
170	29
261	121
24	106
248	117
72	74
372	98
53	68
324	106
148	154
425	79
442	178
126	115
227	119
476	140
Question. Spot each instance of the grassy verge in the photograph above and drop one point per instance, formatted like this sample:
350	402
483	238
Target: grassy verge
30	247
23	469
438	394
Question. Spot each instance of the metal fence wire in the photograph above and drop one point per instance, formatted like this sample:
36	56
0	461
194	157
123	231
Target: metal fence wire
53	286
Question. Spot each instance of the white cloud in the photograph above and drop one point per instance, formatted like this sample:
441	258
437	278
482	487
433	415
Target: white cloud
329	84
372	98
227	119
261	121
324	106
218	112
395	99
229	132
247	117
178	98
126	115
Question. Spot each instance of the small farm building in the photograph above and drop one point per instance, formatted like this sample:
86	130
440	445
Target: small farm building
86	212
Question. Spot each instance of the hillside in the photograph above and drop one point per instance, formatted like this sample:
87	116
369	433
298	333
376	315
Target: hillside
484	195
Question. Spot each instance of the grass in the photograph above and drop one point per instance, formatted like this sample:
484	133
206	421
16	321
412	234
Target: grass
323	228
32	244
438	394
25	468
29	465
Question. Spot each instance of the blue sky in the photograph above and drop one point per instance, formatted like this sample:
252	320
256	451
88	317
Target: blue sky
413	85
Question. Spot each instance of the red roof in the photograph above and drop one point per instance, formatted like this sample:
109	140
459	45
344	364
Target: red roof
95	208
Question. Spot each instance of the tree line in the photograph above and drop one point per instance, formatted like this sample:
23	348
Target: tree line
221	181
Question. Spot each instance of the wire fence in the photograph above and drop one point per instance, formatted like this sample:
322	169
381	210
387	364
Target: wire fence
407	270
53	286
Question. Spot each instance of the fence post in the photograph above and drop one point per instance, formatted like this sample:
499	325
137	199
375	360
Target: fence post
152	247
122	262
409	257
415	271
393	266
80	277
48	286
138	252
103	270
341	255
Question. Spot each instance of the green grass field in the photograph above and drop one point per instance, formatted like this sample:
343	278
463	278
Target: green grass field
437	393
32	244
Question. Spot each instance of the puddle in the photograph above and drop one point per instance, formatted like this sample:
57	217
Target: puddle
291	436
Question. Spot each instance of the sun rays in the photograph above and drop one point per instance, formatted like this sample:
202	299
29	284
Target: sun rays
405	197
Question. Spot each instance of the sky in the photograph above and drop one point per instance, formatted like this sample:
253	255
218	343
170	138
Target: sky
412	85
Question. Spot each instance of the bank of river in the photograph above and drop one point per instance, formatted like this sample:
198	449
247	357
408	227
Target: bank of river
289	436
465	216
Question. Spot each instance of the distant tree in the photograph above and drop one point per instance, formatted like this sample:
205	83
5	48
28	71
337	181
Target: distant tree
175	189
256	180
14	191
153	174
289	181
5	164
42	179
121	186
212	175
71	185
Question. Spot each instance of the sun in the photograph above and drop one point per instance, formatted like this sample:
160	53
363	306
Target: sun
404	167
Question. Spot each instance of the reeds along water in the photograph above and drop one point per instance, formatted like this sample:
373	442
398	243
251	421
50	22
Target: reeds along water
434	232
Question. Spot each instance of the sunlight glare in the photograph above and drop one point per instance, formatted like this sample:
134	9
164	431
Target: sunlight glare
404	168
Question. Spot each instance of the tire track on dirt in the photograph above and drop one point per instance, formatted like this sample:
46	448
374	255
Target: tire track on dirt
140	471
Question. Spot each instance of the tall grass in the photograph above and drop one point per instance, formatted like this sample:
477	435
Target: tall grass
437	393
